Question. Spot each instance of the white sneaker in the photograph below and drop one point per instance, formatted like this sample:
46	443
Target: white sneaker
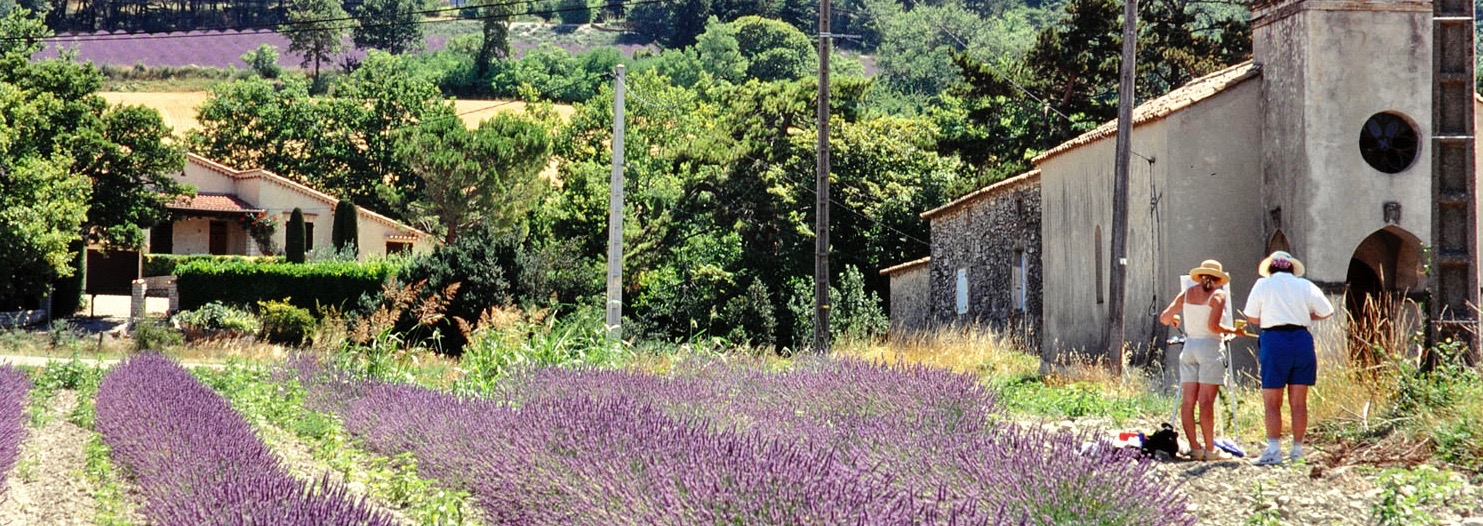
1296	455
1269	457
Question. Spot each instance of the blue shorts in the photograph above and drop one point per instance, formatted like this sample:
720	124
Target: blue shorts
1287	358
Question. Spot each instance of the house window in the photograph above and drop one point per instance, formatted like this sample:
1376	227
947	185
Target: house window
308	236
1019	281
1097	249
962	291
162	238
216	240
397	247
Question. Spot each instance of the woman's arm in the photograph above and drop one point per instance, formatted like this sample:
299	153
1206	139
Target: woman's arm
1217	312
1168	316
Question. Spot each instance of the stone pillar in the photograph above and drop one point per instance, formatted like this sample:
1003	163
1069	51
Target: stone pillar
173	292
137	302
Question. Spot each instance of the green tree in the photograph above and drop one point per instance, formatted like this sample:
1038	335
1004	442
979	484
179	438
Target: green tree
489	175
317	31
673	23
346	231
496	31
264	61
574	11
773	49
295	241
394	26
132	161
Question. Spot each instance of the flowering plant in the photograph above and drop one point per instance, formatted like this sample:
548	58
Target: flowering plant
261	227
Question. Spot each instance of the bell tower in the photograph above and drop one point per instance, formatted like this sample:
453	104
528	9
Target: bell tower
1346	87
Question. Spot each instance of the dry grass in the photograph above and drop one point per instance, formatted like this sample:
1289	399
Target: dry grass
981	352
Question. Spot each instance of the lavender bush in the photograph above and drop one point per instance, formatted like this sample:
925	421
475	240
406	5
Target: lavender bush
14	385
197	462
829	442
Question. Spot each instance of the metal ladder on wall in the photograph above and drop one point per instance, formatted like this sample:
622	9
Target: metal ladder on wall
1455	291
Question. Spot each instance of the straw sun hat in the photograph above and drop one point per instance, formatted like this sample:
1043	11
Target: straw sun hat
1213	269
1265	267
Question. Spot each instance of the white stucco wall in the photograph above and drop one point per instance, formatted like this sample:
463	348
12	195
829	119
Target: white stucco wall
1320	94
193	236
1076	193
279	199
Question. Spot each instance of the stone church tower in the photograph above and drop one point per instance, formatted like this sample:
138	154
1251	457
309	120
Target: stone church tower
1367	146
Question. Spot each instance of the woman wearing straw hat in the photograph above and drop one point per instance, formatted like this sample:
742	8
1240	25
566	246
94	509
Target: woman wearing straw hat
1201	365
1284	304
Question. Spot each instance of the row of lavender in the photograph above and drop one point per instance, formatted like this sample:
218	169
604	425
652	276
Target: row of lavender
14	385
197	462
829	442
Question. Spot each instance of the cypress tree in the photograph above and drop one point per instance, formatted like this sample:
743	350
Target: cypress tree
346	231
294	243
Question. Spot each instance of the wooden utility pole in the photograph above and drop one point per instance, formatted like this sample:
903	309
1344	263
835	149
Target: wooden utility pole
821	224
1117	282
615	216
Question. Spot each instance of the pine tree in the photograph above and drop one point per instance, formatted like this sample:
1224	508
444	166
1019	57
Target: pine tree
294	243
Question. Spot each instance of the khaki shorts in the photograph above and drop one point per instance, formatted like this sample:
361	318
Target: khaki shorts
1202	360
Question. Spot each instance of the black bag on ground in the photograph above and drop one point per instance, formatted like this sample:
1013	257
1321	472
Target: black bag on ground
1165	439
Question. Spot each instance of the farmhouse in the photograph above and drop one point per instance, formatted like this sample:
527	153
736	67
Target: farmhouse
1348	140
230	205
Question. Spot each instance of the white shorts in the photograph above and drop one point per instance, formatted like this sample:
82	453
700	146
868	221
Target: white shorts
1202	360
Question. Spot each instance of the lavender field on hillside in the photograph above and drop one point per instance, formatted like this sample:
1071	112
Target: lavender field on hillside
828	442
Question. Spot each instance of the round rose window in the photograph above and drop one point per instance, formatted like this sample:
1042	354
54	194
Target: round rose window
1388	143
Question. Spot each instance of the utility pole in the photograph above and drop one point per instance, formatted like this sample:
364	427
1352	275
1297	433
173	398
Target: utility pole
615	216
1117	282
821	205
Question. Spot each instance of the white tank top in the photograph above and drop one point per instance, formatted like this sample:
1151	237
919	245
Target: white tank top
1197	319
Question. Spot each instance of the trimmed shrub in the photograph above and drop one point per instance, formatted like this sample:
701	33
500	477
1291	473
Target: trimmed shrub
338	284
150	335
67	292
285	323
164	264
346	231
294	240
215	319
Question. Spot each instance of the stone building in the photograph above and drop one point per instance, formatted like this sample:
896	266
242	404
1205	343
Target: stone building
1348	140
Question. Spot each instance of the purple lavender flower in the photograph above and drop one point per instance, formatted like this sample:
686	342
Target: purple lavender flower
14	385
197	462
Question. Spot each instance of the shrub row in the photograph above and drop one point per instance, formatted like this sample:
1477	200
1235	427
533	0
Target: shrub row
198	462
164	264
13	387
830	442
337	284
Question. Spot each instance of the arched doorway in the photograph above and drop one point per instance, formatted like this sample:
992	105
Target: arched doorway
1384	269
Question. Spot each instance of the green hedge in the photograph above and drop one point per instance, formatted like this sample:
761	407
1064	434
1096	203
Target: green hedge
337	284
164	264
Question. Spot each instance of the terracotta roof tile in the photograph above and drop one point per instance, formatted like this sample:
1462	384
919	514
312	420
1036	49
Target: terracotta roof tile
1030	177
1185	96
906	266
210	202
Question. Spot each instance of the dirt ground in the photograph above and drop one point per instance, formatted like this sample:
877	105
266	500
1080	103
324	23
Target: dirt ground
48	485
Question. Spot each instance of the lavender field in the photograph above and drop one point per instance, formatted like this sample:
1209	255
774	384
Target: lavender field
13	387
828	442
197	462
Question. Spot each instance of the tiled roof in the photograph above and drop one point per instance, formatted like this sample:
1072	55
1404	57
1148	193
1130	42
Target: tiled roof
209	202
1030	177
1185	96
906	266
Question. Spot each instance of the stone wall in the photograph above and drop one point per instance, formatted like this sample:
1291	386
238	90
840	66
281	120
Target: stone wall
910	297
992	238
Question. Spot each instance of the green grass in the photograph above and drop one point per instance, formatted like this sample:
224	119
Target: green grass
112	509
1033	395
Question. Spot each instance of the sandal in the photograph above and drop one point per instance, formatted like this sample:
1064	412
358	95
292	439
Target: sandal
1197	454
1216	455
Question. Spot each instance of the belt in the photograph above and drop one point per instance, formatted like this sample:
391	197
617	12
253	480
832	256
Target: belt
1285	328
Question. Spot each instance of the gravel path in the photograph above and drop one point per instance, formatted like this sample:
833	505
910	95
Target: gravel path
49	486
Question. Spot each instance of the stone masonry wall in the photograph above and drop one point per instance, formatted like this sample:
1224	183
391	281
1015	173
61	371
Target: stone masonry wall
984	237
911	305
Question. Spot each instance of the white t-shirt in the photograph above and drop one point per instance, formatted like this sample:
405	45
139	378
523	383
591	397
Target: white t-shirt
1285	299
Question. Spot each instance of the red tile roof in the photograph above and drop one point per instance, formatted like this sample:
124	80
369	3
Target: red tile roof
209	202
906	266
1185	96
